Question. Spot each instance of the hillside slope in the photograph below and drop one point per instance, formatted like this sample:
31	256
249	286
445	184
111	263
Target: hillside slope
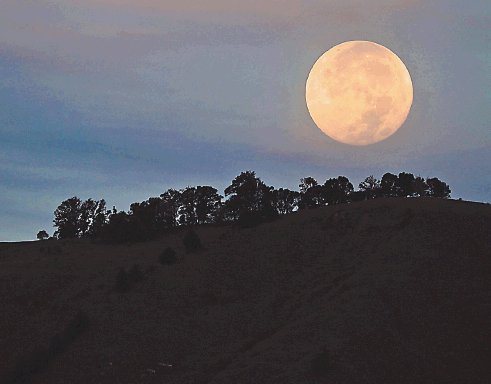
390	290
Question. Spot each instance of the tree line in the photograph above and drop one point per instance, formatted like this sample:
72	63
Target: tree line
247	200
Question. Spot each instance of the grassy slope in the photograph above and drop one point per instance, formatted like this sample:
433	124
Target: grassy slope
392	291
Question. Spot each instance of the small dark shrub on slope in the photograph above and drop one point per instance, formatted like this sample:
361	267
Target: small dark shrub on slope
40	357
135	274
62	340
320	364
29	365
168	256
191	241
122	281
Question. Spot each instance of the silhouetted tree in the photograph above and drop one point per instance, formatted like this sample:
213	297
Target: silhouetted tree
405	184
306	183
199	205
169	208
285	201
311	193
208	203
87	213
122	228
67	218
337	190
389	185
76	218
267	208
248	196
100	219
370	186
358	196
314	197
42	235
187	210
437	188
250	201
191	241
420	187
146	216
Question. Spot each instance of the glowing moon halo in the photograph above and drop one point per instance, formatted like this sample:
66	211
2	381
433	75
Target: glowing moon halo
359	93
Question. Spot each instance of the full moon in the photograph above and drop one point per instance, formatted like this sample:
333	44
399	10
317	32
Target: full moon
359	93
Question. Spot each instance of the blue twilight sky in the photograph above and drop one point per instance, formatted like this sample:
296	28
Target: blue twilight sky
123	99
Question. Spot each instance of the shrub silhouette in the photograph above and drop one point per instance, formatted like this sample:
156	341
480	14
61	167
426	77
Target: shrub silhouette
42	235
168	256
29	365
135	274
122	281
62	340
320	364
191	241
40	357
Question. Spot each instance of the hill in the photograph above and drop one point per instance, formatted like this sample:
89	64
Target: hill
384	291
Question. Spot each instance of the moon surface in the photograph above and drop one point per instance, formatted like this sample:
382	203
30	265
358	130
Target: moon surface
359	93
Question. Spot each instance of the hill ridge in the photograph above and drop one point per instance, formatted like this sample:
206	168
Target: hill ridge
392	290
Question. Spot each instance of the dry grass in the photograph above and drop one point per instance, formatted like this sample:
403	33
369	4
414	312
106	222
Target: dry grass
381	291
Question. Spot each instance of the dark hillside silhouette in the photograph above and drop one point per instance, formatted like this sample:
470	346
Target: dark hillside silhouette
378	291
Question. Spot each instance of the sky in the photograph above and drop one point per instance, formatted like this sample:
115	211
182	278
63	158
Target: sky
123	99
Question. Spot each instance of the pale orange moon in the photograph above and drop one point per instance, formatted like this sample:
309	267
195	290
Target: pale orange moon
359	93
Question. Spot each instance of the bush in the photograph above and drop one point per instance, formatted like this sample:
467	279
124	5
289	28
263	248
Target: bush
191	241
168	256
62	340
42	235
135	275
40	357
122	281
29	365
320	364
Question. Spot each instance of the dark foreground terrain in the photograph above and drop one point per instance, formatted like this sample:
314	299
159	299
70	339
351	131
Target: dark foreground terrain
385	291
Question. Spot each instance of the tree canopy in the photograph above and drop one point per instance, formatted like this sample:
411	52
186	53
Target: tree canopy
75	218
248	201
42	235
